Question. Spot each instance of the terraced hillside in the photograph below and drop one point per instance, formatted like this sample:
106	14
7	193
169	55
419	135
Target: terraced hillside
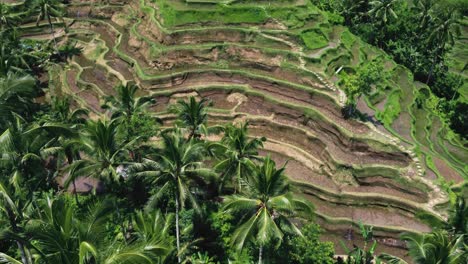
274	64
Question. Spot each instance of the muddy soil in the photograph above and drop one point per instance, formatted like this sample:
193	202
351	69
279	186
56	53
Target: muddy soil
319	102
299	172
369	215
403	126
448	173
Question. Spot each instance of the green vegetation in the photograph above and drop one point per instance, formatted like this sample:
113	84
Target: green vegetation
211	131
418	34
314	40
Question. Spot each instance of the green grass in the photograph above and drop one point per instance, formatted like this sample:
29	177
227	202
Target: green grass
218	14
177	13
348	39
314	39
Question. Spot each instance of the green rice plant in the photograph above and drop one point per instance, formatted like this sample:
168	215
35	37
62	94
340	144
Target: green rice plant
314	39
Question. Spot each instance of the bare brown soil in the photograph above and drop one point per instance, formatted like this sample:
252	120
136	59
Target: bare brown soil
403	125
448	173
369	215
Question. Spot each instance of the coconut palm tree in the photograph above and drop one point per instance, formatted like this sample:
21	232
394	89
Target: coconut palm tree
237	153
12	207
382	9
24	151
62	235
177	169
8	18
193	115
424	9
48	9
447	28
443	35
351	9
16	95
72	120
380	12
126	105
267	206
67	51
433	248
62	112
103	153
457	223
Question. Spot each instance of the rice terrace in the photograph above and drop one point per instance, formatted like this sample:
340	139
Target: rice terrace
233	131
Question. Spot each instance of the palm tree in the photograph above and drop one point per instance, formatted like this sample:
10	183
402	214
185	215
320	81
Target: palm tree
350	9
382	9
193	115
424	8
237	153
47	9
18	58
62	115
436	247
61	235
103	153
67	51
24	152
380	12
8	18
177	169
126	105
12	207
267	206
16	95
457	223
443	35
62	112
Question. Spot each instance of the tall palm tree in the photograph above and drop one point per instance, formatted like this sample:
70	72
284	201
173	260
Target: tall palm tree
48	9
63	115
447	28
103	153
443	35
457	223
424	10
24	152
267	206
193	115
176	168
380	12
126	105
12	207
382	9
8	18
62	112
237	153
351	9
